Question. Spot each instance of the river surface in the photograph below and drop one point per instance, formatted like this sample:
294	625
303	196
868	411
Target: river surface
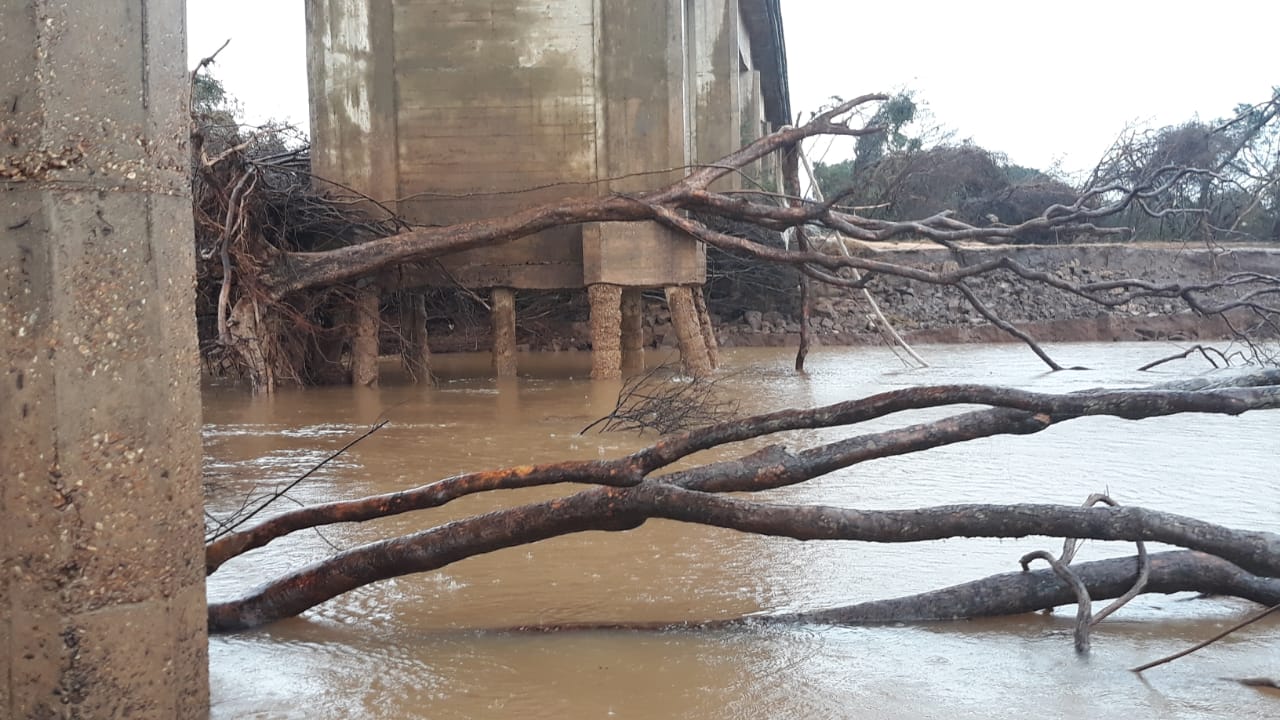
425	646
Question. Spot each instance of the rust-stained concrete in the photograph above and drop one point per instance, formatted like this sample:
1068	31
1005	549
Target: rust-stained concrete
606	331
102	602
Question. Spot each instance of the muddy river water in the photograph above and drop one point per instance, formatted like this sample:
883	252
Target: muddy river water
424	647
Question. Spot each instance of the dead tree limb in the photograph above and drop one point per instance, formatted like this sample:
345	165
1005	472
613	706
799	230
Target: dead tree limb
1016	593
1005	594
628	496
1016	412
1084	603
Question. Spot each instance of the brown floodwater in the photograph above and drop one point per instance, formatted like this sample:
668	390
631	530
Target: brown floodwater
424	646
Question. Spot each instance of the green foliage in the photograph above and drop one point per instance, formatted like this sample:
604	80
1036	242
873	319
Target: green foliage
207	94
892	115
1019	175
217	117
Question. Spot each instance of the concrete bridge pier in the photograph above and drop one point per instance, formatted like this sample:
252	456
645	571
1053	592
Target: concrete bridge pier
632	328
684	318
415	353
364	344
708	330
606	330
102	599
502	302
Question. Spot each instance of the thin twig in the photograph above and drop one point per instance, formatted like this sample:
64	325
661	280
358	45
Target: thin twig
280	493
1182	653
1202	349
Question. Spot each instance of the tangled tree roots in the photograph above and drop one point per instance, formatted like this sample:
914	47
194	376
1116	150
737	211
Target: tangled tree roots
254	197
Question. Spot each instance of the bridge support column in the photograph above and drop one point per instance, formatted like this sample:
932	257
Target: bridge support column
606	331
708	330
632	328
503	309
415	354
364	344
684	318
102	599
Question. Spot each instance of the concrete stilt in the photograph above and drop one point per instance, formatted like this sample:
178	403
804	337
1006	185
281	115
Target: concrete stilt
684	318
606	331
632	329
416	353
102	600
364	344
503	301
708	330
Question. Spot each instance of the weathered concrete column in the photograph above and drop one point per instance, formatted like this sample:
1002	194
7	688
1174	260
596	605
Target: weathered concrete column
364	344
416	353
632	322
606	331
102	601
714	55
708	330
352	82
503	302
684	318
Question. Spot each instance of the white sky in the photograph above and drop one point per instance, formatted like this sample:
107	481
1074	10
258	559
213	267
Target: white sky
1043	82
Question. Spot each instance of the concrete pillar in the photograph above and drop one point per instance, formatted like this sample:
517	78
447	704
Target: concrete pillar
713	54
364	344
415	353
606	331
102	601
632	322
708	331
352	83
684	318
503	302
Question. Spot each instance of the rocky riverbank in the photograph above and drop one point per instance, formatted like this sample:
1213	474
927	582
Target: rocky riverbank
931	313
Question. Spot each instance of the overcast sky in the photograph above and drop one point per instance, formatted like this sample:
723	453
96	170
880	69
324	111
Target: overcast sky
1043	82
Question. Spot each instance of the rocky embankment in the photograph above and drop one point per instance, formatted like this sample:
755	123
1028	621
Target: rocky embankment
925	313
932	313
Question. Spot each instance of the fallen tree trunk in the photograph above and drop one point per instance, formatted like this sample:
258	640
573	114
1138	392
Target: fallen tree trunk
630	494
1015	593
1011	593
